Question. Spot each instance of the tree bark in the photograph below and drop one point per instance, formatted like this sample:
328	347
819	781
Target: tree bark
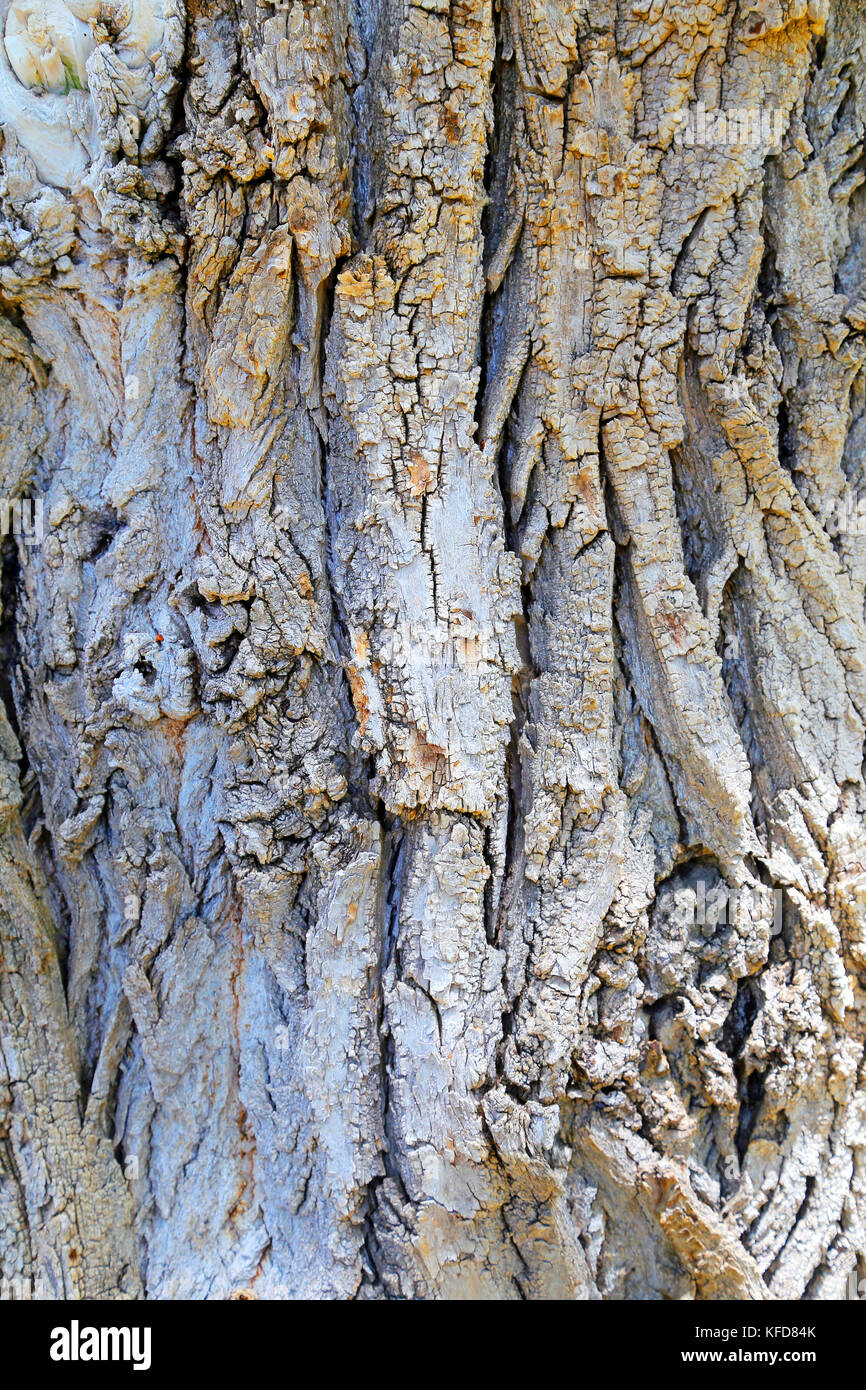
431	782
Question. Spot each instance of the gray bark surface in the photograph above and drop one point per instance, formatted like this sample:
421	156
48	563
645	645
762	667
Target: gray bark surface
432	853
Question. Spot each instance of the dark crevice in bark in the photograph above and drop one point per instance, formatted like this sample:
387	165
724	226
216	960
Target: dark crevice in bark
339	623
489	886
738	681
769	293
394	846
690	241
494	217
171	204
786	437
751	1092
735	1033
393	865
810	1187
429	552
495	220
620	584
819	55
371	1275
179	126
373	35
11	668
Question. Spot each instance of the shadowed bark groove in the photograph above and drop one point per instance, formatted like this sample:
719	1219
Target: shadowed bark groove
432	859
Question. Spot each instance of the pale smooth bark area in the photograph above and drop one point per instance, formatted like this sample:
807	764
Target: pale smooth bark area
431	779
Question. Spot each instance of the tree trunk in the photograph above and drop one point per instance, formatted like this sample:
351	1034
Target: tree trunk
432	774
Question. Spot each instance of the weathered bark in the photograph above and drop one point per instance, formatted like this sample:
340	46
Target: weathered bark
432	846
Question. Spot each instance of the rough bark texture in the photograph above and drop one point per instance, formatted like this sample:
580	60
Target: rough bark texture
443	653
